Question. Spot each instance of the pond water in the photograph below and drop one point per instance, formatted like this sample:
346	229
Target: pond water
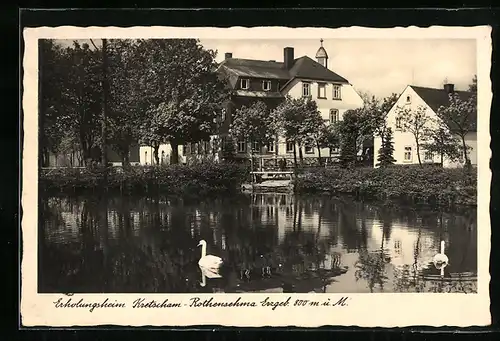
268	242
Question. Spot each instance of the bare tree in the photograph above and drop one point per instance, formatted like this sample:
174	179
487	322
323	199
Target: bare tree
415	121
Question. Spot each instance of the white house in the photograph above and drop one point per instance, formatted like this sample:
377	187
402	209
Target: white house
271	81
405	149
146	154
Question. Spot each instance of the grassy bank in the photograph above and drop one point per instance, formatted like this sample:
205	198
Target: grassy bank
398	184
198	179
410	185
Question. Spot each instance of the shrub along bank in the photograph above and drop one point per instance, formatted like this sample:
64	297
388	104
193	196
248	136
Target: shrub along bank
405	184
198	179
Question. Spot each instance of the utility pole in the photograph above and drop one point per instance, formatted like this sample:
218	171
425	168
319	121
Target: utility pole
104	156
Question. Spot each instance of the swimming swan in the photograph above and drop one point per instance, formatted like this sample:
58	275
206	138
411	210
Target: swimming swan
210	262
441	260
206	273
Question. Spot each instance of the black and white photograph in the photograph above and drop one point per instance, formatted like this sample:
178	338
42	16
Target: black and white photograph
280	165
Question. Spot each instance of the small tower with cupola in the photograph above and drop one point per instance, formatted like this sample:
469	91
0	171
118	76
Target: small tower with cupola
321	55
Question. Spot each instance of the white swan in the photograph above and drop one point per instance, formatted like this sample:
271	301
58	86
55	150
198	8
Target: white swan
441	260
208	262
207	273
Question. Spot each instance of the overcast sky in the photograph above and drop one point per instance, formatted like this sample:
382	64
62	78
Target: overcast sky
377	66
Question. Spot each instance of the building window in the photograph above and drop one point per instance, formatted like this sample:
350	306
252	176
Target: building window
162	156
398	123
408	99
309	147
407	156
334	115
334	151
336	92
255	147
266	85
306	89
428	156
289	146
321	90
244	84
270	147
242	146
184	149
146	157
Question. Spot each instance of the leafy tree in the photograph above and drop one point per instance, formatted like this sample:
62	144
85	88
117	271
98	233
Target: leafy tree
386	152
155	131
51	127
298	120
181	75
415	121
329	136
461	116
287	118
126	105
473	85
377	111
228	149
355	127
443	142
366	96
69	101
310	129
71	96
253	124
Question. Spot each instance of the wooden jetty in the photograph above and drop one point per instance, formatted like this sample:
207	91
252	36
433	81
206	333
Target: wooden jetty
265	181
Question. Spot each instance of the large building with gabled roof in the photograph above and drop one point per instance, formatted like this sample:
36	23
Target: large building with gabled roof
271	81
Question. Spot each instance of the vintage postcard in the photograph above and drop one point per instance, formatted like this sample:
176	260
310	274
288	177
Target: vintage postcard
262	176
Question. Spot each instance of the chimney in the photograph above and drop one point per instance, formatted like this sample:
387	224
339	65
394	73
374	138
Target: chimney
288	57
228	55
449	88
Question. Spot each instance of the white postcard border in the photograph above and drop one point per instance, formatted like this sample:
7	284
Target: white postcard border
365	310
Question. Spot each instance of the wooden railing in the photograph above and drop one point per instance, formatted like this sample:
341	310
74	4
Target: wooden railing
271	175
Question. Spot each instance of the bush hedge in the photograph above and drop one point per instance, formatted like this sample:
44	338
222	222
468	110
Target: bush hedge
200	179
406	184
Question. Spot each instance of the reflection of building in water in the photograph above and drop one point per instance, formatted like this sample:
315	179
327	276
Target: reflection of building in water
405	245
290	214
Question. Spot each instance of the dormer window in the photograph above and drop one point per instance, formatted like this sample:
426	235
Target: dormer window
244	84
266	85
322	90
336	92
306	89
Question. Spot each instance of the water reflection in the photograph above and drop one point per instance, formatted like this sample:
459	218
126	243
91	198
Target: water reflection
269	242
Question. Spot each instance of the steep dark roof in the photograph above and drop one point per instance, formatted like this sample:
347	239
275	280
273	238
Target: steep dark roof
303	67
259	94
256	68
436	98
